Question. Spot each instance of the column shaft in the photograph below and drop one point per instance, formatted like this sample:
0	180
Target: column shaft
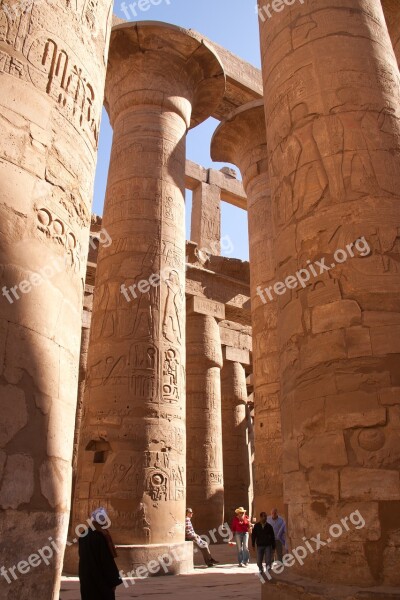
241	139
205	485
52	70
135	398
235	439
332	102
161	80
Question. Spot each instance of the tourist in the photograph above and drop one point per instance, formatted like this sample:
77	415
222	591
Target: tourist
263	535
279	527
240	528
98	573
191	536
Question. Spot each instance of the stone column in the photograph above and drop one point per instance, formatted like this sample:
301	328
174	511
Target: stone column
235	435
206	218
241	140
391	9
132	458
332	104
52	68
205	484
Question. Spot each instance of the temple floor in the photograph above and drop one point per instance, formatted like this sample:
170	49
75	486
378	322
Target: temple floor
226	580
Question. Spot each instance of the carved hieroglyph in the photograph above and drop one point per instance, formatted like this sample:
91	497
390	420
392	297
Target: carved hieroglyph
161	80
391	9
235	438
205	484
52	68
332	105
241	140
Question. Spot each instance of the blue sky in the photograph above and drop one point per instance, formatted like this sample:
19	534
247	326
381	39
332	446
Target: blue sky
231	23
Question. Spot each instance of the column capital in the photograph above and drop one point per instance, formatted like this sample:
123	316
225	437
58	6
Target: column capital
241	140
174	69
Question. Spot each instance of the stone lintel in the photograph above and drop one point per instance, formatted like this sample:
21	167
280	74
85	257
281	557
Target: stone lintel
236	355
226	290
232	190
204	306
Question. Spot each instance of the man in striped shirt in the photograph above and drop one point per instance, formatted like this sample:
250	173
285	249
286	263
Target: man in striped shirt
191	536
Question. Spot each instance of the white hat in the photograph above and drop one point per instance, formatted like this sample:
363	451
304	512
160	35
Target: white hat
100	515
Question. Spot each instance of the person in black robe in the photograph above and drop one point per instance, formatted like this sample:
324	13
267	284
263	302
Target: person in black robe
98	573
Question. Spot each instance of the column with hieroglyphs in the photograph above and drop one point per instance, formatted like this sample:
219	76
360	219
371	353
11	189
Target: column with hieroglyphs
161	81
332	106
241	140
235	432
205	483
53	59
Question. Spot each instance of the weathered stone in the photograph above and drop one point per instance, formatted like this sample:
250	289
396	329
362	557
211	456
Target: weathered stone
17	483
327	317
241	140
203	306
15	414
323	450
237	355
235	439
205	473
53	63
162	80
369	484
335	177
353	409
390	396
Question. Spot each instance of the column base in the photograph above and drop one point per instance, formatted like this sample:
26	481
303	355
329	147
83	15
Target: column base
155	560
172	559
293	587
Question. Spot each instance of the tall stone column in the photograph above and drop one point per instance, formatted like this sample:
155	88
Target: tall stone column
132	459
241	140
52	69
333	136
205	483
235	435
391	9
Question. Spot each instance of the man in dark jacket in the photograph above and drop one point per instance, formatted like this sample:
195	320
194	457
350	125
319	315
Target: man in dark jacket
98	573
263	535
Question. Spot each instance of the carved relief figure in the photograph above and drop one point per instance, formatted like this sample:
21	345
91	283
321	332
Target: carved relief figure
172	330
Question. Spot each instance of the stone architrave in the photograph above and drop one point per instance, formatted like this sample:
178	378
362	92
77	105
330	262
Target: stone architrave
205	483
241	140
161	81
332	108
391	9
235	438
206	218
53	58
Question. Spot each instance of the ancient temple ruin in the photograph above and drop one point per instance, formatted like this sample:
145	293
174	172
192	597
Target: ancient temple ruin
145	372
